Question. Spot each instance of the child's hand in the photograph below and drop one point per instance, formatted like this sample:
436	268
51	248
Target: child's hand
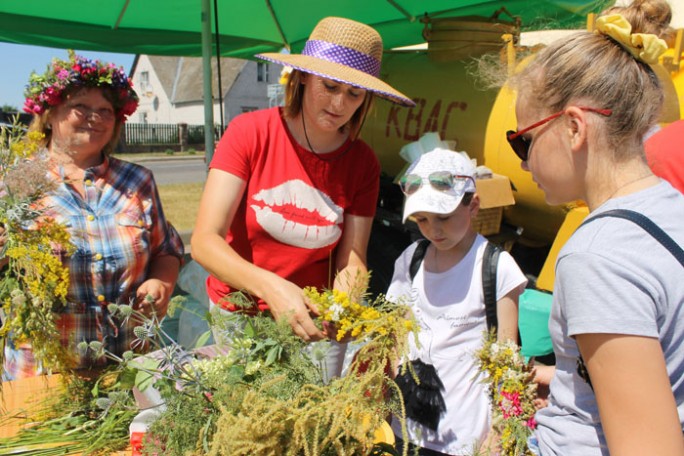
542	377
330	330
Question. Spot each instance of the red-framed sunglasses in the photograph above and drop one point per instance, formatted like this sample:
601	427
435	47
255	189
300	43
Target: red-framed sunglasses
521	145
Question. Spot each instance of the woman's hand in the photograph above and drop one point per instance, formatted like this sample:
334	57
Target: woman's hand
153	295
287	301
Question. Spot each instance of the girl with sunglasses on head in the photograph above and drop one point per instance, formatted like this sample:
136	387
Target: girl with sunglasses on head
616	317
446	295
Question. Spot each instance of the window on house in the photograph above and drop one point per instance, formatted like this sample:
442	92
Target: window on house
143	117
262	72
144	79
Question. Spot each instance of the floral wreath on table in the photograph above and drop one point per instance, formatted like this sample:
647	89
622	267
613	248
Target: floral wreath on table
47	89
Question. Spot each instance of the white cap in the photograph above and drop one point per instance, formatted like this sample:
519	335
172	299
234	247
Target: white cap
428	198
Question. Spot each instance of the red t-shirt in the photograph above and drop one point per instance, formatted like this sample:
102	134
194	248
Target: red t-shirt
665	154
291	216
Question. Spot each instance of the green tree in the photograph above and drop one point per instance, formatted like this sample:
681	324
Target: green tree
8	108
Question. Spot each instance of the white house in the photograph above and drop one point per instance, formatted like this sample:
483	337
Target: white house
171	88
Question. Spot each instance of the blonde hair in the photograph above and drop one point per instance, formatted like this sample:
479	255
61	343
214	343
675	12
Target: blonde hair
294	93
41	121
647	16
597	71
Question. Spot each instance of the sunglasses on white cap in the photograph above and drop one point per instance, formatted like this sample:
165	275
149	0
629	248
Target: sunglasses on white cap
442	181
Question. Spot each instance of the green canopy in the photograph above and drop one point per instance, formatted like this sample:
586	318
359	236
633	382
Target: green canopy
173	27
247	27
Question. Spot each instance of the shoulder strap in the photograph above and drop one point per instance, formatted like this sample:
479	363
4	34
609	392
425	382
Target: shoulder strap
490	262
417	257
648	225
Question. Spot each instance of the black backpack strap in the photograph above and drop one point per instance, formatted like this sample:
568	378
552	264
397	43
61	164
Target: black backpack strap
648	225
490	262
417	257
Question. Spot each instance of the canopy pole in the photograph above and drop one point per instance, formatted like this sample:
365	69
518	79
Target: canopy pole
206	79
218	67
277	24
121	15
402	10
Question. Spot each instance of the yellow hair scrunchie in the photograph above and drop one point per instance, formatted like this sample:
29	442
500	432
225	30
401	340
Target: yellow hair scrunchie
643	46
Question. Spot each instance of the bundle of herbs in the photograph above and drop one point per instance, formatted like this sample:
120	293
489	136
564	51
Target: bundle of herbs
33	281
263	392
83	416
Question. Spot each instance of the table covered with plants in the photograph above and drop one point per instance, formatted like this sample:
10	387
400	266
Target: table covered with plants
259	392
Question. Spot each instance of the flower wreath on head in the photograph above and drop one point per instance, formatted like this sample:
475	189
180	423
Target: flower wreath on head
47	89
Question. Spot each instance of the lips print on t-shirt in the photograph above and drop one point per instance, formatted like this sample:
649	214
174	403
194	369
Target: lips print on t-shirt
295	213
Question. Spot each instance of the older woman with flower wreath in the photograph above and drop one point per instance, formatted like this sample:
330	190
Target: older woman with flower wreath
124	251
584	105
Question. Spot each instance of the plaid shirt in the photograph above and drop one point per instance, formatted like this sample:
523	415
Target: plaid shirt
118	227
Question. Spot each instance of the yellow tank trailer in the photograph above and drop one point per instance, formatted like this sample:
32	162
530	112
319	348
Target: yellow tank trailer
450	102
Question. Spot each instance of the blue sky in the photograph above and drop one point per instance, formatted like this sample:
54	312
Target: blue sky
19	60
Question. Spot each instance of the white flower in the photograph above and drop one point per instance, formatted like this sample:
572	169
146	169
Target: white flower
337	311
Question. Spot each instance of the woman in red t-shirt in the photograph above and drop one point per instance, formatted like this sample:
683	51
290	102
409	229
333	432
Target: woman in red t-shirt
291	192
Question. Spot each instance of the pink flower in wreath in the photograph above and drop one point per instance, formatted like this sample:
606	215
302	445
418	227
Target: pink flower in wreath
129	108
52	96
32	107
510	404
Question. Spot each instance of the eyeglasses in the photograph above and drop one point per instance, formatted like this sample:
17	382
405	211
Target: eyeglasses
439	180
84	112
521	145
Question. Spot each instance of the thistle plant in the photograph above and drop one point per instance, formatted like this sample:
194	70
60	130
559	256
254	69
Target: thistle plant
261	392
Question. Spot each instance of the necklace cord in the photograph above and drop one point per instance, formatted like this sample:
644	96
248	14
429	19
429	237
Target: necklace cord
320	156
305	133
628	184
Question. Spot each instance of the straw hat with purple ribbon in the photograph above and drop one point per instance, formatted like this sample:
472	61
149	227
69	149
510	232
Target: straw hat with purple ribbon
345	51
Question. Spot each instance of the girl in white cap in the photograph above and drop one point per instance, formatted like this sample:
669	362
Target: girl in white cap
291	192
447	297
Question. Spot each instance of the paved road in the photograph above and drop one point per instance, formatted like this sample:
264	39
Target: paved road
177	170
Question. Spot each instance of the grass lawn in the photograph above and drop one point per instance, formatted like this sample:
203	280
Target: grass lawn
181	202
170	154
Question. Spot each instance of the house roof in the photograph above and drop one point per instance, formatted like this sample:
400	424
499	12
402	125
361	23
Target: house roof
181	77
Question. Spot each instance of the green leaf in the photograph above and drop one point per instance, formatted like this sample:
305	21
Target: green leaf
126	379
273	355
146	368
202	340
250	330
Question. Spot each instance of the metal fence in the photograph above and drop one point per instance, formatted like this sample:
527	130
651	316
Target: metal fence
152	133
165	134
